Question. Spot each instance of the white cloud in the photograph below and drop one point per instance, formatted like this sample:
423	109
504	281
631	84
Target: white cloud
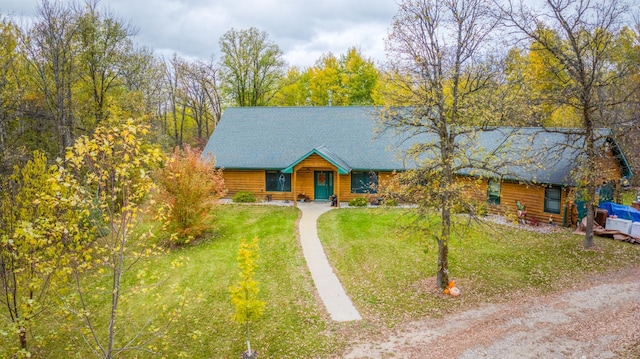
304	29
367	37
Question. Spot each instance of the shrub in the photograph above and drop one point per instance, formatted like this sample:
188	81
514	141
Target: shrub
244	197
390	202
482	209
358	202
189	186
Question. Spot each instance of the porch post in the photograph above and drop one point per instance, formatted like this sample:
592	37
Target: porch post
337	181
293	186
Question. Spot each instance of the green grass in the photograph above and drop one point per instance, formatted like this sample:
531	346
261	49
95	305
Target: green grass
292	314
389	274
193	288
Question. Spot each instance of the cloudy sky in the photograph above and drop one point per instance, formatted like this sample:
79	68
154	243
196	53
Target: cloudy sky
304	29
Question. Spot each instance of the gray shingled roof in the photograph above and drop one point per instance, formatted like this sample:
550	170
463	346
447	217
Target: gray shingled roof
275	138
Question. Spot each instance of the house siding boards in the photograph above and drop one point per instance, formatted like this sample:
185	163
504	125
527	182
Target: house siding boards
608	167
255	182
250	181
533	195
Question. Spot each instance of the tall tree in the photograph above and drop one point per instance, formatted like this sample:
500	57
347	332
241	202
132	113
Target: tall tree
437	52
346	80
251	66
627	129
9	92
577	39
359	77
79	68
293	89
200	84
175	107
105	47
52	55
325	86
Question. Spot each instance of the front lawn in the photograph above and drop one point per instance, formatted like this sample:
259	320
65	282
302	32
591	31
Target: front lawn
390	273
193	282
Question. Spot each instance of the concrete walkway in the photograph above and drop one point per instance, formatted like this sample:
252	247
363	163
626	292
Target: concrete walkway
329	288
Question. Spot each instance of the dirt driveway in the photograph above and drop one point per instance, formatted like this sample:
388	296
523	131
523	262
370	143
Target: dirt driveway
598	318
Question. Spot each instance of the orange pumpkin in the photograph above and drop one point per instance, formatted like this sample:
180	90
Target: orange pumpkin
446	291
452	284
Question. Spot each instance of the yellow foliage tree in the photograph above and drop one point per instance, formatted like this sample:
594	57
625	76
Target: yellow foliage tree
114	166
40	223
244	295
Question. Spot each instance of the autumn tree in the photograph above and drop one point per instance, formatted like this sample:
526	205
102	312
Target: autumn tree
438	58
359	77
627	114
347	80
293	89
202	96
191	102
114	166
244	295
104	47
79	62
39	223
389	90
325	85
190	186
251	66
52	55
174	111
142	75
575	43
10	93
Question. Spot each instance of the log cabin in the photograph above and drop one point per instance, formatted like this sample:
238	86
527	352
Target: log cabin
312	153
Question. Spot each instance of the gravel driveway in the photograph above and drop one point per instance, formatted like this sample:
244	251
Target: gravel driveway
597	318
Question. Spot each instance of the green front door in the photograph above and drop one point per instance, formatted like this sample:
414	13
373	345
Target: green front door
323	185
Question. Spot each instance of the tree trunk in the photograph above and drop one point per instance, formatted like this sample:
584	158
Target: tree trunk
442	276
23	337
183	117
591	173
588	236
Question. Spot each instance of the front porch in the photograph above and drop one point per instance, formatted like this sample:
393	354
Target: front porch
317	176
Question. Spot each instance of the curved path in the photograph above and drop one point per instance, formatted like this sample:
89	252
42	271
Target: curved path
329	288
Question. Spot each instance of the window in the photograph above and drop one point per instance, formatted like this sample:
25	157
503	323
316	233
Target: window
364	182
552	200
493	192
278	182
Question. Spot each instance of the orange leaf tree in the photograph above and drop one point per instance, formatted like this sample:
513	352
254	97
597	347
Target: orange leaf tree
190	186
